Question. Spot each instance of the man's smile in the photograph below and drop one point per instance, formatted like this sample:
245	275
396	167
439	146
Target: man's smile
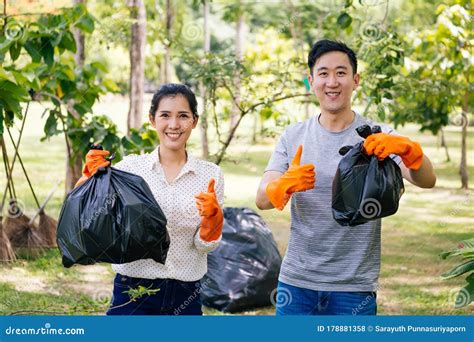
332	94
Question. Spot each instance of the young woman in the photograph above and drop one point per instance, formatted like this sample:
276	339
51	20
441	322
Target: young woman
190	192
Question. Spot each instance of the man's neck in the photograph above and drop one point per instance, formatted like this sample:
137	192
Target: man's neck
336	122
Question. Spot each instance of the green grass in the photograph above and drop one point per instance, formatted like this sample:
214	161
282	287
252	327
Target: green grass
428	222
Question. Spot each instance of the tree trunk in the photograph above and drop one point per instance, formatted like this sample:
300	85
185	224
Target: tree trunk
443	144
169	26
234	116
203	90
463	166
137	64
80	54
74	162
73	170
296	35
255	127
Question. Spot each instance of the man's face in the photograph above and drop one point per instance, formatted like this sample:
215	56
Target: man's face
333	82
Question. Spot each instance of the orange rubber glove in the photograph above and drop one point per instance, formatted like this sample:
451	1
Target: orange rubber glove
382	145
95	159
212	218
297	178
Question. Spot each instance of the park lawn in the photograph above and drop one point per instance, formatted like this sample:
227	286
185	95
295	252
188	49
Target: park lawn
429	221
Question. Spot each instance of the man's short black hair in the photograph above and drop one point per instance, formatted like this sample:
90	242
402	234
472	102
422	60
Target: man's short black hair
171	90
324	46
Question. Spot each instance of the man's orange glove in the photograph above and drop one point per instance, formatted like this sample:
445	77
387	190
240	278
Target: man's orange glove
95	159
297	178
382	145
212	218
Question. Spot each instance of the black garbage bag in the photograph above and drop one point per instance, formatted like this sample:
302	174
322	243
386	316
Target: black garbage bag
365	188
114	218
243	270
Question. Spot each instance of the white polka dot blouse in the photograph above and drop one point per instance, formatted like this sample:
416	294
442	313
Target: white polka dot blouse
187	254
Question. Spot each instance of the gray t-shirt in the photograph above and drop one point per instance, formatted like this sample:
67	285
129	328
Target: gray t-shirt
322	255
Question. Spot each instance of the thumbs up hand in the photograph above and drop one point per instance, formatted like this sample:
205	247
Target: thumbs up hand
206	202
210	211
298	178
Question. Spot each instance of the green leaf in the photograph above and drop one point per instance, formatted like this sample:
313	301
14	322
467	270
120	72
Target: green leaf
33	50
13	89
344	20
47	51
128	144
67	86
266	113
51	125
464	247
98	65
35	84
82	109
15	50
65	74
5	44
56	38
68	42
136	138
110	85
86	23
465	295
20	78
5	75
459	269
470	278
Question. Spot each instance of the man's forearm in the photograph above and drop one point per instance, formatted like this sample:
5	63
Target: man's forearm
262	201
424	177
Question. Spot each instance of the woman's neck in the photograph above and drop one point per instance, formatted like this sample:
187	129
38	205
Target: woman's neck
172	157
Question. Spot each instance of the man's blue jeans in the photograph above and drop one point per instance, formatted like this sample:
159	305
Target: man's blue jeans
173	298
292	300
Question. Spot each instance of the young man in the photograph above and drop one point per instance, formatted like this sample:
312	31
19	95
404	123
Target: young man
330	269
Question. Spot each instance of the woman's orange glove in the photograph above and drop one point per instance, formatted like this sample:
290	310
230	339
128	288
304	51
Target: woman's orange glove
212	218
382	145
95	159
297	178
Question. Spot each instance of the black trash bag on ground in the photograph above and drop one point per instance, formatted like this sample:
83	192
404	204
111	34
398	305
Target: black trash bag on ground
365	188
243	270
114	218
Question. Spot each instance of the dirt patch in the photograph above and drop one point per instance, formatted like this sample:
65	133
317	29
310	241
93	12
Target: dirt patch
95	281
22	280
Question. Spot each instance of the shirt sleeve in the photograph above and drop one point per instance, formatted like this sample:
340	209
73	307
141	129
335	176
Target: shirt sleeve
125	164
208	246
279	158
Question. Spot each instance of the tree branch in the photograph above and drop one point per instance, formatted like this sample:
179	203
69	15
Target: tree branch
221	153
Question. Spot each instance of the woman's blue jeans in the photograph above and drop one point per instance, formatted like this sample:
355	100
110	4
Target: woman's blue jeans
173	298
292	300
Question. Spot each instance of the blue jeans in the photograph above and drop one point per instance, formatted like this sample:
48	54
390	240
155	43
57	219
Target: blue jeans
292	300
174	298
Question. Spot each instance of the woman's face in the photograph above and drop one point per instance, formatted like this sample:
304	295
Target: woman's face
174	122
